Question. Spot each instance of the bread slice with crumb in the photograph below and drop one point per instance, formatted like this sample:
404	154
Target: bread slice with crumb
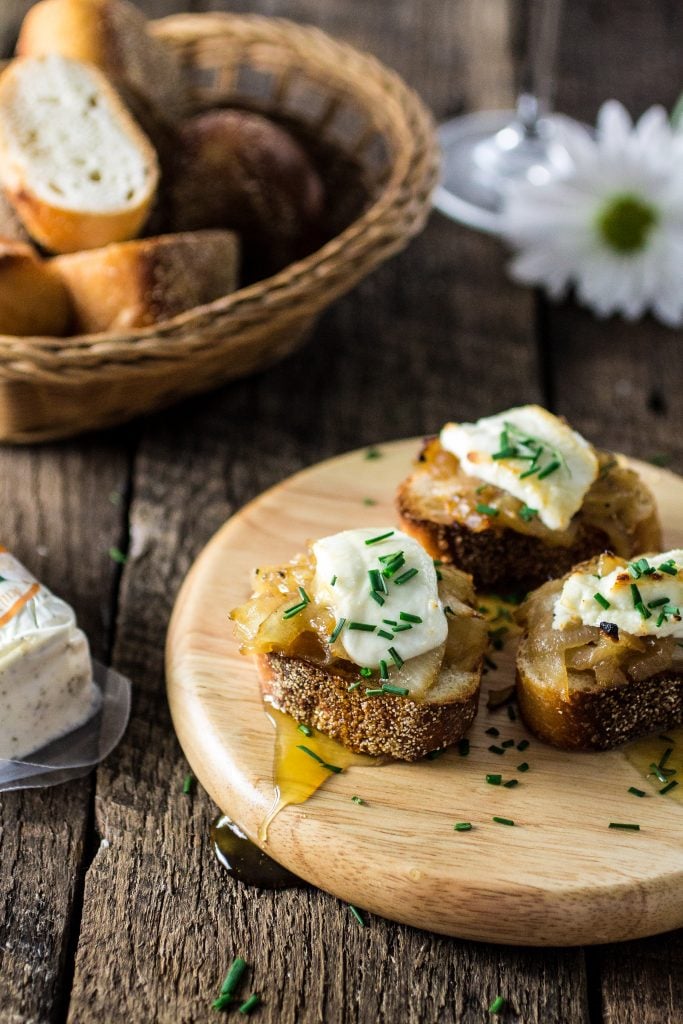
73	163
144	282
33	298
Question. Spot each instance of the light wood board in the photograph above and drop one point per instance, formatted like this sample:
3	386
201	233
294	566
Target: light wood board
560	876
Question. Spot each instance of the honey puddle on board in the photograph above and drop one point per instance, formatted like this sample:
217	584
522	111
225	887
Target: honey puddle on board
652	750
296	774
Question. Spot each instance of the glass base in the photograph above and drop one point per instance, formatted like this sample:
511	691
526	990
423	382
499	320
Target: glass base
482	153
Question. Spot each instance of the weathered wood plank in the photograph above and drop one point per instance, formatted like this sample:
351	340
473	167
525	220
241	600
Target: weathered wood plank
58	517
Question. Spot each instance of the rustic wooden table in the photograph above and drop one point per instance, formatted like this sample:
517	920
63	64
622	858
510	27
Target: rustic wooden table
113	907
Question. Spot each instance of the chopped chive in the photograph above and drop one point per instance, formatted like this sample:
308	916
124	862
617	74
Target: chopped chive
528	472
337	630
385	636
117	555
390	622
668	567
526	513
669	786
372	453
402	628
333	581
323	764
462	826
510	784
380	537
188	783
405	576
357	914
550	468
391	557
376	582
602	601
496	750
365	627
493	731
658	603
522	745
374	691
353	686
391	568
659	773
523	767
289	613
508	743
377	598
305	729
503	821
636	792
644	613
358	800
383	670
366	672
626	827
223	1003
661	618
400	691
487	510
504	453
233	977
512	714
251	1003
396	657
635	594
369	501
665	757
304	596
464	746
408	617
498	1003
494	780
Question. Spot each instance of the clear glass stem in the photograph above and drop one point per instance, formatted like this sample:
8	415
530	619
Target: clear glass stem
536	98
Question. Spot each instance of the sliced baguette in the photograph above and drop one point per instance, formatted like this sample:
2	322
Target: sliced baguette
112	35
74	164
439	506
573	710
139	283
33	299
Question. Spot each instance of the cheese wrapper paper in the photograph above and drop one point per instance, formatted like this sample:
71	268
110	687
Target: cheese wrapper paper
59	712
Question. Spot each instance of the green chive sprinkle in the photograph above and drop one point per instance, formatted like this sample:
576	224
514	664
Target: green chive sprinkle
661	618
333	581
357	914
512	714
668	567
396	657
188	783
405	576
391	568
365	627
117	555
385	636
635	594
337	630
626	827
658	603
462	826
372	453
636	792
400	691
523	767
408	617
498	1003
305	729
494	780
358	800
374	691
522	745
233	977
669	786
252	1002
503	821
289	613
223	1003
508	743
304	596
665	757
527	513
487	510
464	747
550	468
659	773
353	686
496	750
366	672
493	731
383	670
323	764
377	598
380	537
402	628
375	578
510	784
369	501
390	622
602	601
644	613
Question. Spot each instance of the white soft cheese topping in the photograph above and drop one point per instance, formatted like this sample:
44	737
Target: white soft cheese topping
46	685
557	496
347	559
577	604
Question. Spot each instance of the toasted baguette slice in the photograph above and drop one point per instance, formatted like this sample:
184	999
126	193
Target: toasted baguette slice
74	164
582	710
439	505
33	299
112	35
136	284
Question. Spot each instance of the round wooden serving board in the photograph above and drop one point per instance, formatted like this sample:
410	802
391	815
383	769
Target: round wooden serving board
560	876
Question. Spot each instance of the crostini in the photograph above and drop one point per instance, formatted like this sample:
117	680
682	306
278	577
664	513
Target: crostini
366	640
600	661
519	498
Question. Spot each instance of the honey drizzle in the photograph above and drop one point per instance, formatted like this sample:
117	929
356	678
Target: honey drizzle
296	775
649	750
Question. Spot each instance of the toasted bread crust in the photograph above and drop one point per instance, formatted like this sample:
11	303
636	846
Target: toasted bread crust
497	559
33	299
381	725
598	719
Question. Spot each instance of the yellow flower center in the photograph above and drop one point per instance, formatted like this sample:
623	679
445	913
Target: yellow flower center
625	222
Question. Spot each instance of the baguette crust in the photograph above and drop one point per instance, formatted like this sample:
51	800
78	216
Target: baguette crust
383	725
59	227
136	284
600	718
33	299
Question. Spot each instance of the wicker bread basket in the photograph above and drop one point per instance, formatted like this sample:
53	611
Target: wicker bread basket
52	388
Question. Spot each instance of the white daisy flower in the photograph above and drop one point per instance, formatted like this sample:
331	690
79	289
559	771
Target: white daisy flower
610	223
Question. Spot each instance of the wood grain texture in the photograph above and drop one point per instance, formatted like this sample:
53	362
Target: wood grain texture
62	508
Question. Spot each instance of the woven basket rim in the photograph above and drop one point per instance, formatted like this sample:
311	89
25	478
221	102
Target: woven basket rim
283	286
